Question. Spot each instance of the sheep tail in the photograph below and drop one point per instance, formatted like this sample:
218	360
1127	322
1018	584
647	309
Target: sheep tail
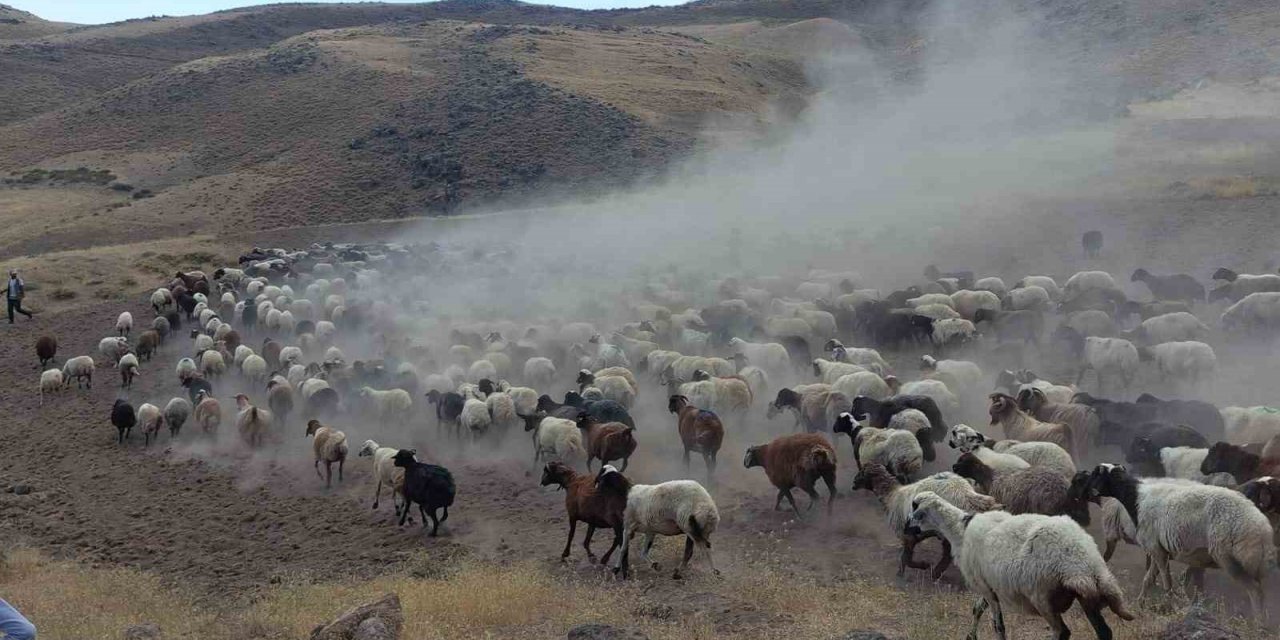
1091	588
695	532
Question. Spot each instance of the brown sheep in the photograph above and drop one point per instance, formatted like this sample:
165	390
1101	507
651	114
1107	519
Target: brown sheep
584	502
46	349
330	446
232	340
208	413
700	430
252	423
271	352
797	460
607	441
1019	425
1033	490
148	343
1084	420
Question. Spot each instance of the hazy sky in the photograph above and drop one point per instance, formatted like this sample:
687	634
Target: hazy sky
100	11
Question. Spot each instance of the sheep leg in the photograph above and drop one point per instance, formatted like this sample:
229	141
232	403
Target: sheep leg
777	504
404	515
435	523
586	543
1111	548
315	465
624	557
979	608
1253	585
625	461
710	561
791	499
328	474
1100	627
573	529
830	479
686	459
341	463
445	515
647	549
997	618
813	498
377	493
617	541
1056	624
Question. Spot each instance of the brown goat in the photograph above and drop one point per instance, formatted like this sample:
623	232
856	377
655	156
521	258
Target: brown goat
148	343
1020	425
797	460
607	441
700	430
46	349
583	502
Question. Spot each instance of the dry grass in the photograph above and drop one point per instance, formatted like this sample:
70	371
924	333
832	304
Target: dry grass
527	599
1229	187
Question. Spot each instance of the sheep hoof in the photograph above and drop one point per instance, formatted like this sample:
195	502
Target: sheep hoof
715	572
676	575
655	566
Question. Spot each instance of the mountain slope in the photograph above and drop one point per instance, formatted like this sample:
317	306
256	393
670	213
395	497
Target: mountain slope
17	24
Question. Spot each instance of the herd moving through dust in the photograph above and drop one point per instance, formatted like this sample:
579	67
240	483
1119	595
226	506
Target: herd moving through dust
1199	487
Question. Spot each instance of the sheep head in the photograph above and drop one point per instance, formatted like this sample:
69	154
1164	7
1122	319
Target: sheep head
1224	457
677	402
965	438
1001	406
556	473
754	457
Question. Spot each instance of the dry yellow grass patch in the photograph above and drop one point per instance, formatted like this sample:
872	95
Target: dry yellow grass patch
1232	187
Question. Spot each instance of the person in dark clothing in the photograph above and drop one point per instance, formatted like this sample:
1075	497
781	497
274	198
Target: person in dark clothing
16	291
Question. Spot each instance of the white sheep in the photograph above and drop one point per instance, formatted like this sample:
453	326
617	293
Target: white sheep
332	355
677	507
968	302
966	439
502	411
242	351
176	413
1055	393
828	371
186	369
161	300
1197	524
124	323
254	368
311	386
862	383
1089	280
770	356
539	372
1183	463
1032	298
931	299
991	283
292	355
1033	563
203	342
113	348
50	382
895	449
481	369
554	439
329	446
212	364
150	421
937	312
129	369
1250	424
1172	327
864	356
947	401
951	331
384	472
391	405
1188	362
1044	282
962	374
1109	356
1254	312
475	418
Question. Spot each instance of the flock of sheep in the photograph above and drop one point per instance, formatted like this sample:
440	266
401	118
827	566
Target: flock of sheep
1197	486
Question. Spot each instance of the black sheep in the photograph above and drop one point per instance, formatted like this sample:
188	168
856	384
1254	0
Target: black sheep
429	485
448	408
187	303
1202	416
556	410
604	411
322	404
1178	286
249	317
879	413
1148	439
195	385
175	319
124	418
1091	241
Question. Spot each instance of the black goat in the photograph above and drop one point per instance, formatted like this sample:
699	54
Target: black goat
124	418
429	485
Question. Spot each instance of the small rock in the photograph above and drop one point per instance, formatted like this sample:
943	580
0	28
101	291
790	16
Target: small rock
144	631
863	635
596	631
386	610
21	489
373	629
1198	624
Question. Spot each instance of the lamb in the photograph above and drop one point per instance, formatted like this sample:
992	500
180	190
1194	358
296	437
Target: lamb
1034	563
475	419
1241	464
1187	362
584	502
449	406
613	387
1031	490
878	414
50	382
124	323
793	461
967	440
700	431
896	498
770	356
863	356
384	472
607	441
901	451
392	405
554	438
1170	327
1200	525
176	413
1182	463
128	366
208	413
252	423
46	349
113	348
329	446
1178	286
1018	425
123	418
79	367
429	485
671	508
151	420
1083	419
968	302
